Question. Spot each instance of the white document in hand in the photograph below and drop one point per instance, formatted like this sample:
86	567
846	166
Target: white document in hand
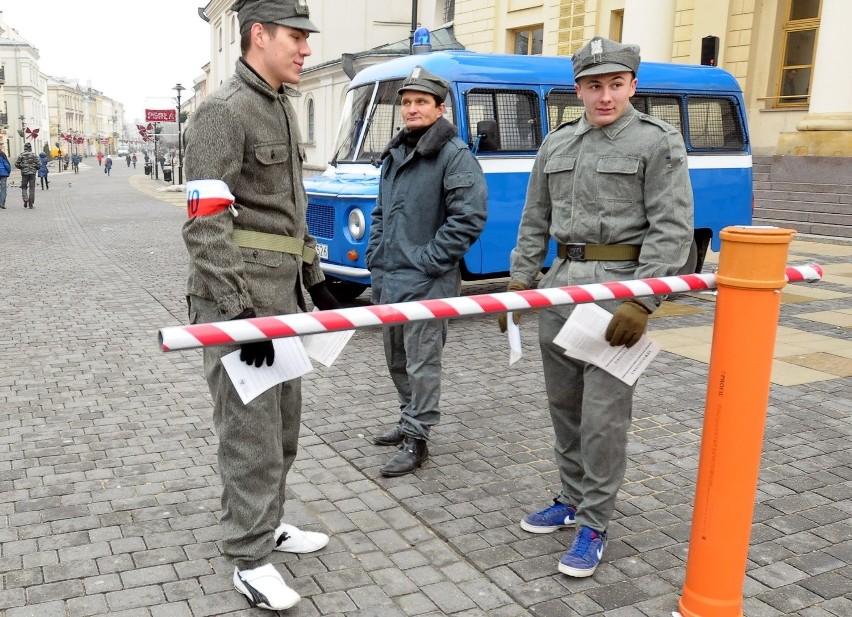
582	337
513	331
326	346
291	361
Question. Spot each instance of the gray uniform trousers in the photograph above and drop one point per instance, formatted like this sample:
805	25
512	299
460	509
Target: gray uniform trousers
257	446
413	355
588	405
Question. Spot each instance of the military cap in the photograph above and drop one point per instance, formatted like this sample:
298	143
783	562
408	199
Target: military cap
292	13
600	56
422	80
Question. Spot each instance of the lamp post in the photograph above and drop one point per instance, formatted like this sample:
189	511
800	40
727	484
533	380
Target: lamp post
178	88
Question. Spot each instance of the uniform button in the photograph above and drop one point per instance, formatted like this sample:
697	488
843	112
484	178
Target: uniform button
254	254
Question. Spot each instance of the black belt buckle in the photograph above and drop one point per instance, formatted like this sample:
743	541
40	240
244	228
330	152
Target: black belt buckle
575	251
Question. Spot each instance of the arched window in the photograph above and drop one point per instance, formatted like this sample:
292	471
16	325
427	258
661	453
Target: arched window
310	121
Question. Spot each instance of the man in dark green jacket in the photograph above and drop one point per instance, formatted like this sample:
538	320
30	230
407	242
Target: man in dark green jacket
431	208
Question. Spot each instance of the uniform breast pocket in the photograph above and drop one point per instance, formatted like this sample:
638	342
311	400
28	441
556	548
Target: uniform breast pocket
618	179
272	153
560	172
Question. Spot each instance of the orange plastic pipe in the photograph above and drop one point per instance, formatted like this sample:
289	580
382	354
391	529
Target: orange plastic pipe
752	263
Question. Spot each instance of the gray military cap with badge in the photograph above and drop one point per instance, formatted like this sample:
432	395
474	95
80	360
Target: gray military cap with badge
422	80
601	56
292	13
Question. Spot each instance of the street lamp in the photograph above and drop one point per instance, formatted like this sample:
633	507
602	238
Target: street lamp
178	88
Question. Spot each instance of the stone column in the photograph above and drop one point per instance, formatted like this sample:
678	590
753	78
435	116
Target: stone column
650	24
827	129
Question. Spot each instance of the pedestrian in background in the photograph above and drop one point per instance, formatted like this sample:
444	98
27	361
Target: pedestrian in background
250	254
127	158
612	188
5	171
108	165
43	171
100	158
75	163
431	208
29	165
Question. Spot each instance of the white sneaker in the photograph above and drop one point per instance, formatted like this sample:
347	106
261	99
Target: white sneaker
265	588
290	539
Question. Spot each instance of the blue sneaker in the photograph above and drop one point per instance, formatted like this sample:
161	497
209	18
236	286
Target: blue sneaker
552	518
585	554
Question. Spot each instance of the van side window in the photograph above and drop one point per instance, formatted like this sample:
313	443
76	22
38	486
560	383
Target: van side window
666	108
516	113
562	106
713	124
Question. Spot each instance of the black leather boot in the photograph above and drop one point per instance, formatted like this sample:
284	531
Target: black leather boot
410	456
392	437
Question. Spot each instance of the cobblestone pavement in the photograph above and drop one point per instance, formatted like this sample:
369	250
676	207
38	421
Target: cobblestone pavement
109	494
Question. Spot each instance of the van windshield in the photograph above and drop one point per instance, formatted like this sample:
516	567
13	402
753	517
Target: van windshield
371	117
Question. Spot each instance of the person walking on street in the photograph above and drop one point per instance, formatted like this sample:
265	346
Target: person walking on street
418	235
100	158
75	163
29	165
612	188
43	171
133	158
127	158
108	165
5	172
250	253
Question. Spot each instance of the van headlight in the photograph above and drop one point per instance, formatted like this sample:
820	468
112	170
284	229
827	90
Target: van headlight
357	224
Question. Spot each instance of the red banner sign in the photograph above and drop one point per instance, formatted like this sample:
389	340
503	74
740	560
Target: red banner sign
160	115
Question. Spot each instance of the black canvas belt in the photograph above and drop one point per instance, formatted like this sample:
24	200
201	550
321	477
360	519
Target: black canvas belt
273	242
576	251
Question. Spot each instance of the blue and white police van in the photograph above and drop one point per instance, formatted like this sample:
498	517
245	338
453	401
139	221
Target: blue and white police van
504	106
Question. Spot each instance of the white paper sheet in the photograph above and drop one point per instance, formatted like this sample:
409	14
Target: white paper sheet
325	347
513	331
582	337
291	361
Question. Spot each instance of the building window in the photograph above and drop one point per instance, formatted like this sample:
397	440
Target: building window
528	42
233	28
799	48
220	38
449	10
310	121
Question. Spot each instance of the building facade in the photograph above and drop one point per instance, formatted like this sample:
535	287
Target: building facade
54	106
780	51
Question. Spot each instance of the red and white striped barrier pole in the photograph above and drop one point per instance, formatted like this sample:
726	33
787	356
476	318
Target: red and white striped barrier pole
280	326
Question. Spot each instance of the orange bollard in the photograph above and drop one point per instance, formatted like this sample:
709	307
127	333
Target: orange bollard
750	276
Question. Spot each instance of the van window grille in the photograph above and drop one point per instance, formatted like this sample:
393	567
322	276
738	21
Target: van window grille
320	219
713	124
665	108
516	113
562	106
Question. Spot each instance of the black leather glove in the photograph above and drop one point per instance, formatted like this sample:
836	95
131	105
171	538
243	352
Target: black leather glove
627	324
322	298
259	352
502	320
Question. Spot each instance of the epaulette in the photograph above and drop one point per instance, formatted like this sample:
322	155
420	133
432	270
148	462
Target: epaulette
569	122
666	126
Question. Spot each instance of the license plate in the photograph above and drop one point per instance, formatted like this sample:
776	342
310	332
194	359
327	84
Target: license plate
322	250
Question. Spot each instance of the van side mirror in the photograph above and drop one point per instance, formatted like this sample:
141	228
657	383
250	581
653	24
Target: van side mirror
488	135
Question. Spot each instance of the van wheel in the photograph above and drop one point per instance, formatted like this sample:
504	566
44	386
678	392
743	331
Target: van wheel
344	291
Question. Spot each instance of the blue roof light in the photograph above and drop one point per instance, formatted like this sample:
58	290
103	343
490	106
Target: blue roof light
422	42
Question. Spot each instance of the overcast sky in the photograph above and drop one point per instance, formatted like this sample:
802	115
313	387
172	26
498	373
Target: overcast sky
134	51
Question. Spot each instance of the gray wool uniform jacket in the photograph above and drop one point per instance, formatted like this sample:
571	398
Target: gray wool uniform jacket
431	208
625	183
246	135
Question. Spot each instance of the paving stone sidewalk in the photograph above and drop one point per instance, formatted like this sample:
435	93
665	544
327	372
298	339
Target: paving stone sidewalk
109	495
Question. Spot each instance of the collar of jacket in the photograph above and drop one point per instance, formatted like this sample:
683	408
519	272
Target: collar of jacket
610	130
432	141
246	73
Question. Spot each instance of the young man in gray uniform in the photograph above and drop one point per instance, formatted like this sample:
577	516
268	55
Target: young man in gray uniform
431	207
250	254
612	188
